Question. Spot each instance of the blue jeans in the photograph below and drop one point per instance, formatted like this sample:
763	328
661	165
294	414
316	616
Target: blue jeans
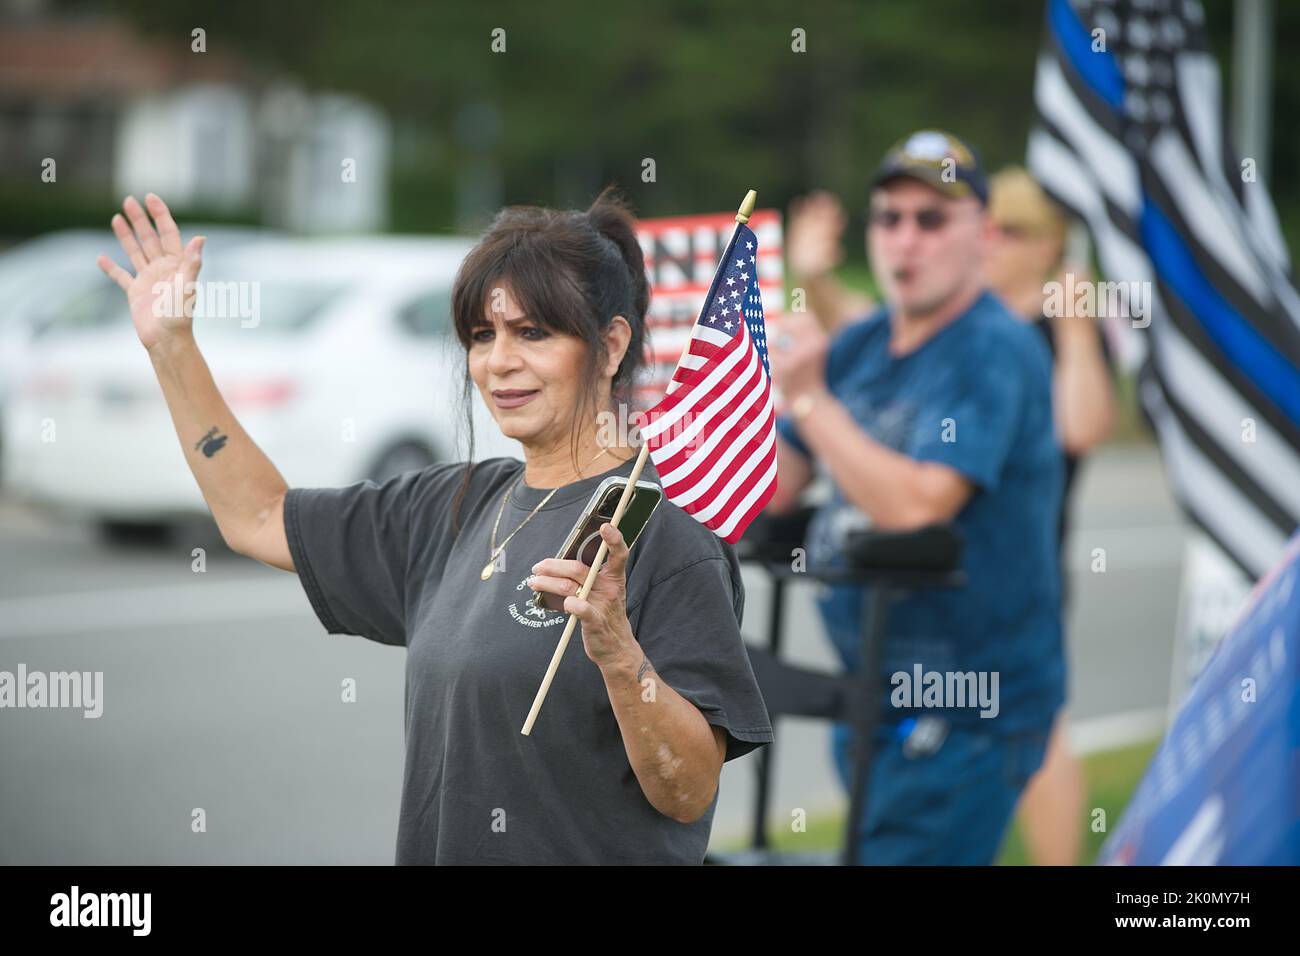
950	807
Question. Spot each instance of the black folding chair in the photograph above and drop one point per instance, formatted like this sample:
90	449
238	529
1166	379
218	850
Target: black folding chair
892	563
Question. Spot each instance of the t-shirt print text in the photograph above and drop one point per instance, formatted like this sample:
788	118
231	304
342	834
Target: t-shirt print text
529	616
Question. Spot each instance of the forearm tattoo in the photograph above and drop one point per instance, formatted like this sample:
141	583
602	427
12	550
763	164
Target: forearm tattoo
641	671
211	443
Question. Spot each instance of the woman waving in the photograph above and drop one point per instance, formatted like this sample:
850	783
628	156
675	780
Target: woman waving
624	764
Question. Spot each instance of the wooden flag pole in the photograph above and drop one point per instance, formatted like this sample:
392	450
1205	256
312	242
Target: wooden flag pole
746	210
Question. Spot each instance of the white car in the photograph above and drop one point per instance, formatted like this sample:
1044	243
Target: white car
35	277
336	356
41	278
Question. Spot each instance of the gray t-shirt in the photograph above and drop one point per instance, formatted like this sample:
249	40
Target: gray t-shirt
379	561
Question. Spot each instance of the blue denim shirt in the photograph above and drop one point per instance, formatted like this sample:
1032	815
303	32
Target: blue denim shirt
977	398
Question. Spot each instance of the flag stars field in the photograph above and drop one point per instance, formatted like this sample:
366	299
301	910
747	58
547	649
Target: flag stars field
713	436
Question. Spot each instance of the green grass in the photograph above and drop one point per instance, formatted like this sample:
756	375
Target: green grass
1112	777
1130	426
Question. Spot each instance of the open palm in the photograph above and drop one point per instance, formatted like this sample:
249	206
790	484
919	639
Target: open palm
163	267
813	233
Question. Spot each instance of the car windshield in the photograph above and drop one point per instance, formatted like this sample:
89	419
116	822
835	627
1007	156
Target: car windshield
280	306
80	309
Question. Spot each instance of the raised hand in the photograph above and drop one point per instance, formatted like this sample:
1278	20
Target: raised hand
812	242
161	293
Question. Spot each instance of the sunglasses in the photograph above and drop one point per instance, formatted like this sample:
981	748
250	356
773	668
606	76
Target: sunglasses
930	219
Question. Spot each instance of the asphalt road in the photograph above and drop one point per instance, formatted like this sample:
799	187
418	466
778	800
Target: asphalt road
222	692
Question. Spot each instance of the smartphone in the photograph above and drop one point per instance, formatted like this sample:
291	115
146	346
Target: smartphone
584	540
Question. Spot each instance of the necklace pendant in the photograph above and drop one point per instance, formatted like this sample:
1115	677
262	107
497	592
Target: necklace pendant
496	563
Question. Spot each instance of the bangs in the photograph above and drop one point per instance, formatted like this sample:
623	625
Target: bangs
534	276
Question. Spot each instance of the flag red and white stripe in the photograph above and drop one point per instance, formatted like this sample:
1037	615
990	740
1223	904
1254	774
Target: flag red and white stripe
713	435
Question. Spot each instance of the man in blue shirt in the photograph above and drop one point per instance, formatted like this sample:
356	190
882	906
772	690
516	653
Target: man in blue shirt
936	408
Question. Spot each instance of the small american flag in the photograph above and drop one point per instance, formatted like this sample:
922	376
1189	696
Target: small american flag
713	436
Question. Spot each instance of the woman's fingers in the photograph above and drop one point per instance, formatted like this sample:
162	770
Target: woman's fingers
143	245
615	559
578	608
617	547
129	244
553	585
143	228
562	568
568	589
192	258
168	233
115	272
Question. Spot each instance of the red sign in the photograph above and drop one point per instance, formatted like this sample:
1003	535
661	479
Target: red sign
681	258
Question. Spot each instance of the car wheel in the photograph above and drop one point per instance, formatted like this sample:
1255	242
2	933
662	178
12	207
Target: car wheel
406	456
198	531
132	534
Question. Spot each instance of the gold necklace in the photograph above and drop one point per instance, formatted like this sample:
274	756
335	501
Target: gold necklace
494	551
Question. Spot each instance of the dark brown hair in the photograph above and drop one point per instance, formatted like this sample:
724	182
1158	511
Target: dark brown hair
571	272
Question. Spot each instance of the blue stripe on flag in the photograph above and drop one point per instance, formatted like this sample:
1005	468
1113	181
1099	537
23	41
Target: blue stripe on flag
1233	334
1098	70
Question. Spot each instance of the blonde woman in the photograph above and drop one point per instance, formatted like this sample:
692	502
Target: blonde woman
1028	250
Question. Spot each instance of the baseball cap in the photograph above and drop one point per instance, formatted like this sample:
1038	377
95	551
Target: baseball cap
938	159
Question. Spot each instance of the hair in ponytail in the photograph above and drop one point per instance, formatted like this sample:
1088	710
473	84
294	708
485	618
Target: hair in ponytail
571	272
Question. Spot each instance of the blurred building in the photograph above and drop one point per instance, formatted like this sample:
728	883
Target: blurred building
119	112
